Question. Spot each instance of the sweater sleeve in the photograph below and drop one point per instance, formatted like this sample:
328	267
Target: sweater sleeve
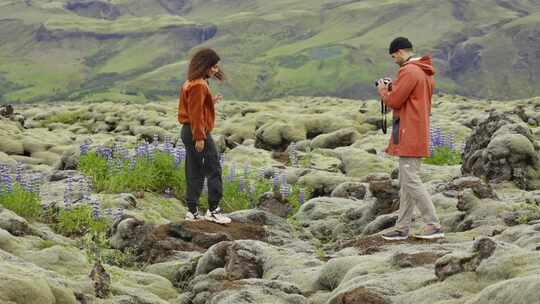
196	98
401	89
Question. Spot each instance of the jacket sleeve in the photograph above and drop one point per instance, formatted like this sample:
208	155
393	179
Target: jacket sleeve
197	95
401	89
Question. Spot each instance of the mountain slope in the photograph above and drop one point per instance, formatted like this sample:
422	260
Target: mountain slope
138	49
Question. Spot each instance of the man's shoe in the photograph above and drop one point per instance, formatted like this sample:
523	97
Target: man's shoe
395	235
192	216
216	217
430	232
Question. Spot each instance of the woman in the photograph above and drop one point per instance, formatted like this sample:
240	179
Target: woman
197	115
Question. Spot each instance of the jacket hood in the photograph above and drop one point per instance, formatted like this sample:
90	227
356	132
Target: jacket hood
424	63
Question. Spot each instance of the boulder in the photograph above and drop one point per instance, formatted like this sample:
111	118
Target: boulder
276	135
458	262
355	190
11	146
13	223
501	150
339	138
69	160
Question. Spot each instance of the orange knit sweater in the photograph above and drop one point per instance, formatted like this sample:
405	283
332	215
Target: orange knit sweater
196	107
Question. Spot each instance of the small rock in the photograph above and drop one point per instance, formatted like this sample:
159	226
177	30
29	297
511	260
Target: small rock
355	190
272	203
102	281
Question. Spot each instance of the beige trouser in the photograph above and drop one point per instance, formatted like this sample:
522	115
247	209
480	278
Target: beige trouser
413	193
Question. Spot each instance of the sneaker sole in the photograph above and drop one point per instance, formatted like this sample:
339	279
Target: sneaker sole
210	219
397	238
430	237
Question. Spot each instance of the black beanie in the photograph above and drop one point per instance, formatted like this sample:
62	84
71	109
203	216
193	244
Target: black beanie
399	43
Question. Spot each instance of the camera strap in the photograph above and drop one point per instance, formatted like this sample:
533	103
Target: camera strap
384	119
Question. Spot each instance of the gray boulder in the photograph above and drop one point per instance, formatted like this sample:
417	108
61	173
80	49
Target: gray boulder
458	262
501	150
523	290
339	138
355	190
13	223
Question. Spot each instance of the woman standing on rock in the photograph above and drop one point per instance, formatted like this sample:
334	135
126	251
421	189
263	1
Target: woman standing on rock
197	115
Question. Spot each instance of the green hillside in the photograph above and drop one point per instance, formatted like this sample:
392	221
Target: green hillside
138	49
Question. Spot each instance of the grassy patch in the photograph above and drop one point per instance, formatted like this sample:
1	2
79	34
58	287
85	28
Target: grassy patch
20	201
444	156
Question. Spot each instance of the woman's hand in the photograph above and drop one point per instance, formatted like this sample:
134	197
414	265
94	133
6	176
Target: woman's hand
199	145
217	98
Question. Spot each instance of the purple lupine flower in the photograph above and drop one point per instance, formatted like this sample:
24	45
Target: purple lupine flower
462	147
301	196
139	152
109	162
105	152
84	148
124	153
246	168
155	139
35	182
70	183
439	138
81	184
96	212
24	184
168	146
283	179
67	201
276	182
285	191
6	178
89	185
232	173
146	148
450	141
132	164
118	214
18	172
241	183
182	154
262	173
293	154
152	154
178	157
119	165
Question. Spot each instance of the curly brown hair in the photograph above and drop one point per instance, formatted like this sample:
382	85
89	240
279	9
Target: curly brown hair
201	63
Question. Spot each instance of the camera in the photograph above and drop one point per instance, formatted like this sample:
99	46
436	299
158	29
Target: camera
385	80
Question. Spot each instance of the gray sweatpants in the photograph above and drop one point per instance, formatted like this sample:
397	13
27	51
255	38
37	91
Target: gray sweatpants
413	193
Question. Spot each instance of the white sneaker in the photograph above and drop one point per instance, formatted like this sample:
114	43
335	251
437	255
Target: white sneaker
216	217
193	216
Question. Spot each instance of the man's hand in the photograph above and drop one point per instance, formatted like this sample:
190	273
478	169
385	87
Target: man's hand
384	83
217	98
199	145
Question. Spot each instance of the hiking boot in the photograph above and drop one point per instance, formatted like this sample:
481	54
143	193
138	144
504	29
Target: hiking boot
216	217
190	216
430	232
395	235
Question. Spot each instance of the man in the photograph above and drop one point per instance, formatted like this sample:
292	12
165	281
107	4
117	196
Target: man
409	97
